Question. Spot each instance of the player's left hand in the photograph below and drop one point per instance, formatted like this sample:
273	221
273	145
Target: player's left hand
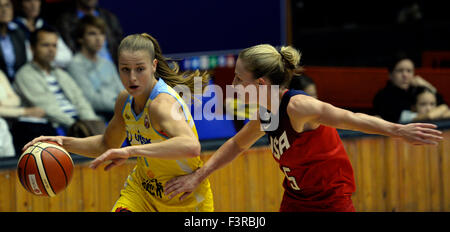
116	156
420	134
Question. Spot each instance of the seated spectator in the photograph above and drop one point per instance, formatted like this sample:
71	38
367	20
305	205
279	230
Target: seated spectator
390	101
304	83
424	107
29	19
113	30
6	142
43	85
96	76
10	102
12	42
25	123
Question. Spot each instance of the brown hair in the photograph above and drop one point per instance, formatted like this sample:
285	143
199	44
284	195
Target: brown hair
172	76
265	60
88	20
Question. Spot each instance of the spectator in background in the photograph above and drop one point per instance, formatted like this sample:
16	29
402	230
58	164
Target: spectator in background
12	42
10	102
304	83
113	30
28	19
390	101
43	85
25	122
424	107
96	76
6	142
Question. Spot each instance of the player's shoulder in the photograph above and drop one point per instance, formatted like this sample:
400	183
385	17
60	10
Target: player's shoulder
162	100
163	103
299	101
303	105
121	100
123	96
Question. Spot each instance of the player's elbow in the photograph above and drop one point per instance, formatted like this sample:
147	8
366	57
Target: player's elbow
193	148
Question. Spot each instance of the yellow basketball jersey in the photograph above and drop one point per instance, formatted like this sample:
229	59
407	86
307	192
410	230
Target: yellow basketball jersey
151	174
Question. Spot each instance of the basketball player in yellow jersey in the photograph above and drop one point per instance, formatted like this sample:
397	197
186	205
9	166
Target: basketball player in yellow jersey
164	141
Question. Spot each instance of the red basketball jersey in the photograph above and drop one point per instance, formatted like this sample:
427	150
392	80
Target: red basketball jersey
318	172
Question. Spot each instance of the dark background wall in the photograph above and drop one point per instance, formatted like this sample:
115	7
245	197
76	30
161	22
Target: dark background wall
201	25
368	33
328	33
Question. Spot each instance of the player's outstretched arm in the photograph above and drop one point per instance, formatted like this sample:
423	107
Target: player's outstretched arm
93	146
308	109
243	140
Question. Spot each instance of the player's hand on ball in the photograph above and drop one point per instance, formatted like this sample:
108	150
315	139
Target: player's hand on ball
181	184
116	156
57	139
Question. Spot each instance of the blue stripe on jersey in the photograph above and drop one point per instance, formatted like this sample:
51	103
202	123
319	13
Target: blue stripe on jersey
160	87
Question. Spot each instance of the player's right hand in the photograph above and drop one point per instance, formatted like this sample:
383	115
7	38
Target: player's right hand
57	139
182	184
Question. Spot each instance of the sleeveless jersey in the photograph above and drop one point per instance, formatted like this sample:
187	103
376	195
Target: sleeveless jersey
151	174
316	166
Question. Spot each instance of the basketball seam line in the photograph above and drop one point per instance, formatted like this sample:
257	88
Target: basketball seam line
60	165
56	146
24	171
37	167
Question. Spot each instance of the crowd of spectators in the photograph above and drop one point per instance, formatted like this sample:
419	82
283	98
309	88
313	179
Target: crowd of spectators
51	76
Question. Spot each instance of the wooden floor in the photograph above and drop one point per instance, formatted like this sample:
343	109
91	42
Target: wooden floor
390	176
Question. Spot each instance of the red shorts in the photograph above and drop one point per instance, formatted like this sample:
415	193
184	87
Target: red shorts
341	204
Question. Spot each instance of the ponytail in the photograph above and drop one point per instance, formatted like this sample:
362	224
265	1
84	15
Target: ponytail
291	57
265	60
171	76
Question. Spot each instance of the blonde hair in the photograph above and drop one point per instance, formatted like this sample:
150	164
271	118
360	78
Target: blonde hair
172	76
264	60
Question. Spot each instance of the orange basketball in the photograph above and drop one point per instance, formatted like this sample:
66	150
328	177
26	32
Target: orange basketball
45	169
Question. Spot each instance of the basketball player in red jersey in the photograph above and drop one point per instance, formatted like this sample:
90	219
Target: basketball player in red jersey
318	173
